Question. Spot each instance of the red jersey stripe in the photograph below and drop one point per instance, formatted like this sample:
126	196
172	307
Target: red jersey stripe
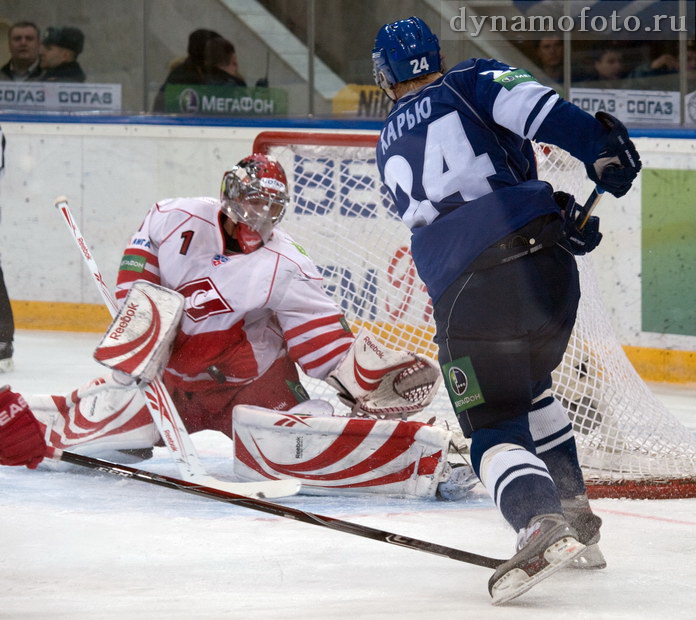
310	325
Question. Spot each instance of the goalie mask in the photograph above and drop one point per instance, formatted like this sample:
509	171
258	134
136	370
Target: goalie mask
254	195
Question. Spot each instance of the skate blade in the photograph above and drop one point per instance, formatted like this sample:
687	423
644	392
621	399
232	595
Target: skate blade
517	582
590	559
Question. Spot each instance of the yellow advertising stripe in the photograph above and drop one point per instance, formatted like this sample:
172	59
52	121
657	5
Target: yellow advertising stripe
60	316
659	365
663	365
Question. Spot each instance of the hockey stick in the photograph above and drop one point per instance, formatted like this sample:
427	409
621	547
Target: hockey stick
589	206
277	509
160	405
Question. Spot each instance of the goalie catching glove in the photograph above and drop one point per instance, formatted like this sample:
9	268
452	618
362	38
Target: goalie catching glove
378	382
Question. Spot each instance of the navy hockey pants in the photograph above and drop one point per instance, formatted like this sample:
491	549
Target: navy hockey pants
501	331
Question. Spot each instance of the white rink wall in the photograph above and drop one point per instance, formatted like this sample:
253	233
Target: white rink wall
618	259
112	173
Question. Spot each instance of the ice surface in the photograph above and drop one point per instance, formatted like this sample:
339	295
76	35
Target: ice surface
80	545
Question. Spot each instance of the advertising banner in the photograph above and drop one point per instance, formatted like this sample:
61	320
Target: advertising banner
631	106
60	96
225	100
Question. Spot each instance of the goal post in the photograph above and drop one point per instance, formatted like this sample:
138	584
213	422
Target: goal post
629	444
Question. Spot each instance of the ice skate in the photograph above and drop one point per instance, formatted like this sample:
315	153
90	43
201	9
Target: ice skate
459	483
6	363
547	544
581	518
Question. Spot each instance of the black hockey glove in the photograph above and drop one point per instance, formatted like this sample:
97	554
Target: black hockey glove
578	240
619	163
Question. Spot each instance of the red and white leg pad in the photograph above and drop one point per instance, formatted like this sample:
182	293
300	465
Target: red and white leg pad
97	419
338	455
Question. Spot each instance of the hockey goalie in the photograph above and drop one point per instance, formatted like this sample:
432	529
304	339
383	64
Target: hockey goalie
225	306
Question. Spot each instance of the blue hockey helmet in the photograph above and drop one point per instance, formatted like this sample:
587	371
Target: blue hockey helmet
404	50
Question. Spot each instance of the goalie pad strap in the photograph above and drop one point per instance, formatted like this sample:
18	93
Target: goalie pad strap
139	340
338	455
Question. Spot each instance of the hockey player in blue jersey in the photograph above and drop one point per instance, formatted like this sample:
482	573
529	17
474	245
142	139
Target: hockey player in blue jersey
495	247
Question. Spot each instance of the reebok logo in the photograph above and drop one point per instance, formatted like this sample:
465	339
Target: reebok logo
371	345
125	320
83	247
170	442
8	414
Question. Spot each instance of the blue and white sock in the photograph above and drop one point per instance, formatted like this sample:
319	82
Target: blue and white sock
517	480
554	441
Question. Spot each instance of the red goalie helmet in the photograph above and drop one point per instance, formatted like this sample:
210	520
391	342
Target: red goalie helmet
254	195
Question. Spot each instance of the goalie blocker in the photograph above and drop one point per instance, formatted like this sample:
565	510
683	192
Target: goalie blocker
140	338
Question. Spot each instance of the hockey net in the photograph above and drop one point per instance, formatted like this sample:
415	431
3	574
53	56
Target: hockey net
630	445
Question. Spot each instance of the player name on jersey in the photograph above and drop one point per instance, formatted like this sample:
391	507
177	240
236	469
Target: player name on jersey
60	96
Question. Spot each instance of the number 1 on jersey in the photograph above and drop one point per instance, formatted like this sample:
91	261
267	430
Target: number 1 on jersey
187	236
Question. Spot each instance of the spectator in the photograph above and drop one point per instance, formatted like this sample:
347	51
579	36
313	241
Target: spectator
6	318
661	72
663	61
608	69
23	42
192	69
60	48
221	64
549	56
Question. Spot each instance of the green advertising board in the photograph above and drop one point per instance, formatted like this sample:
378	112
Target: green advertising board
668	279
225	100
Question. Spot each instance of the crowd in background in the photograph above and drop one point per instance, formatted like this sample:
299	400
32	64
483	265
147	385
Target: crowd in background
48	58
211	60
53	56
650	65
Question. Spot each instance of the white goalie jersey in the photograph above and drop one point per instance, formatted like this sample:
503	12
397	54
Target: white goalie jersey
242	311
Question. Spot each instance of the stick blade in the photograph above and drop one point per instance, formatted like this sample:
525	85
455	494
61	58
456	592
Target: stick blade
263	489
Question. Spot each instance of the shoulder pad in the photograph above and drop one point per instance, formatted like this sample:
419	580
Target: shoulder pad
282	243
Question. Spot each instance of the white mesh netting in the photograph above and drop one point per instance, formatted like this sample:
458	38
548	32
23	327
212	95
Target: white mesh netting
342	215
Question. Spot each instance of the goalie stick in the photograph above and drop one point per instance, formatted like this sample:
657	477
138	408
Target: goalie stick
161	407
278	510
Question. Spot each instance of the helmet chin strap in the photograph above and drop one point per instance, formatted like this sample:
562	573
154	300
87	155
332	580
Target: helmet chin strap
249	240
383	83
389	92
